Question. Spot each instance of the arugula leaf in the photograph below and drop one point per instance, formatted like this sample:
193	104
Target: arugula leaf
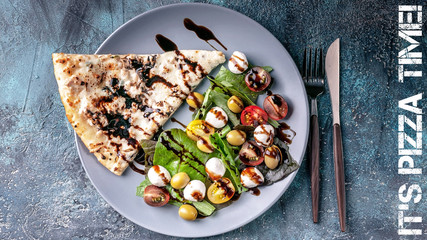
174	193
178	153
224	131
140	189
273	123
205	107
228	158
288	166
175	203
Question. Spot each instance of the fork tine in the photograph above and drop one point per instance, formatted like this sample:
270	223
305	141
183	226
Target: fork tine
315	70
310	72
304	66
321	67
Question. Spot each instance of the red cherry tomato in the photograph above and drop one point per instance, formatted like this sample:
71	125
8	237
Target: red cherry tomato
257	79
251	153
276	107
253	116
155	196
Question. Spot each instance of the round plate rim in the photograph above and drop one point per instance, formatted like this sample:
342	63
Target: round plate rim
290	177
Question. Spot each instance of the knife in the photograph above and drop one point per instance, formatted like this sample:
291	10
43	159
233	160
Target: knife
332	67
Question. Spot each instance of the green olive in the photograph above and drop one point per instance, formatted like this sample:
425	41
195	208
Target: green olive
195	100
236	137
180	180
272	156
187	212
235	104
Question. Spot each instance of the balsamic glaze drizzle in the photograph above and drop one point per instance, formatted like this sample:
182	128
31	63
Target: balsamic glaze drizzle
202	32
165	43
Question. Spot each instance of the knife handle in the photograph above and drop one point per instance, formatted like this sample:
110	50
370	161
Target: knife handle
339	174
314	166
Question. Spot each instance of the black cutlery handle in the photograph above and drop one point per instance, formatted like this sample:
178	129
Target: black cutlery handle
314	166
339	174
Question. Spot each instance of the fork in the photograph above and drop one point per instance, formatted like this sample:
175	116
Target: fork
314	81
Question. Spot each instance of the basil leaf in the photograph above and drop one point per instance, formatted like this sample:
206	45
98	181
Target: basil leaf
178	153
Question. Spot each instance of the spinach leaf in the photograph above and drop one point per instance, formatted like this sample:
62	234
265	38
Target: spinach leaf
230	90
220	100
237	81
178	153
288	166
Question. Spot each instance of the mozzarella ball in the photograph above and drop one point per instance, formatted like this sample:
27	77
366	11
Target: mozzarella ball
264	135
238	62
216	117
251	177
215	168
159	176
195	191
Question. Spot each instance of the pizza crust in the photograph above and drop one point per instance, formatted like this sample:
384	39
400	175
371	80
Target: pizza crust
114	101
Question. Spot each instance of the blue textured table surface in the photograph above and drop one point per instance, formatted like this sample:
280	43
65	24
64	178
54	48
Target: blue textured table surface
45	193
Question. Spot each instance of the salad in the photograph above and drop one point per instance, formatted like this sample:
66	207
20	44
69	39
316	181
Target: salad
231	146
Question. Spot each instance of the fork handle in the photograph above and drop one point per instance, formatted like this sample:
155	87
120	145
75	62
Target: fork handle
314	165
339	174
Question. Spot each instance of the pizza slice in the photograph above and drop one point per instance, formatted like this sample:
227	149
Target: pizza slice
114	101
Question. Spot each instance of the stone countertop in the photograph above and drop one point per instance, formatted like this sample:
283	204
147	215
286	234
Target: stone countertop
45	193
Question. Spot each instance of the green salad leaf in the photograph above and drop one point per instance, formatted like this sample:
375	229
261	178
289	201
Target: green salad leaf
205	107
237	81
220	100
140	189
288	166
204	207
178	153
149	147
230	160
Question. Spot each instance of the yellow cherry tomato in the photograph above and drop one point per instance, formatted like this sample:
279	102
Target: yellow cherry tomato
198	129
221	191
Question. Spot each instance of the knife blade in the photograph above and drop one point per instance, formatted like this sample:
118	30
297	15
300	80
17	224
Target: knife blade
332	67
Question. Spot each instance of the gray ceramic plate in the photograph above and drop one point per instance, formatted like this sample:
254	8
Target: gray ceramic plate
236	32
